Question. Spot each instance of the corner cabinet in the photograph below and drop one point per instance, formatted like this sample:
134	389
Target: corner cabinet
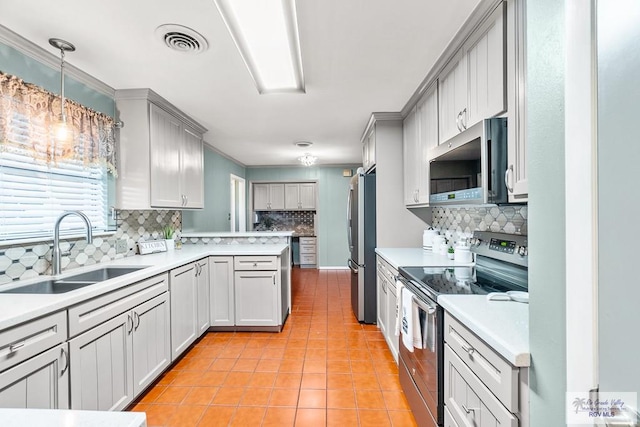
420	134
160	154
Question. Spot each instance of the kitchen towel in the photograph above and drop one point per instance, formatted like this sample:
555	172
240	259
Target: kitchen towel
398	319
407	319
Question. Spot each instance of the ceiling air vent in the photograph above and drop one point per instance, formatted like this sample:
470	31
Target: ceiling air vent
181	38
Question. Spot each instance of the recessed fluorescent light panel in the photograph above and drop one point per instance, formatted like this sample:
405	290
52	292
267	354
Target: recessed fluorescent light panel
266	34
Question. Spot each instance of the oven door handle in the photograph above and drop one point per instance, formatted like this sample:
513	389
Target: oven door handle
428	308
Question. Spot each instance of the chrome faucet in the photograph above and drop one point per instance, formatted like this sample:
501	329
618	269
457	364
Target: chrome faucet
55	258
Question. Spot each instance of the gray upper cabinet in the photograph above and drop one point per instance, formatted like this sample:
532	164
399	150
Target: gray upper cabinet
369	149
160	161
268	197
420	134
472	86
300	196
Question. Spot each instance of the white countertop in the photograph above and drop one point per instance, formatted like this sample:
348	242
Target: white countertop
68	418
18	308
416	257
503	325
237	234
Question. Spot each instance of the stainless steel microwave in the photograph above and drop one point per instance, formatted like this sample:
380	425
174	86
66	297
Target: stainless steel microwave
470	167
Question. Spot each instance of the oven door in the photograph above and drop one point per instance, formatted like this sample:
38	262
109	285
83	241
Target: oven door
421	371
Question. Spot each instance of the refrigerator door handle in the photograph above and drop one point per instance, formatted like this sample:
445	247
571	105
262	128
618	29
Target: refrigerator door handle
351	266
349	231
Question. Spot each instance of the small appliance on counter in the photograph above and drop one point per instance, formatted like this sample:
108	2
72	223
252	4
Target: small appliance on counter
501	266
427	238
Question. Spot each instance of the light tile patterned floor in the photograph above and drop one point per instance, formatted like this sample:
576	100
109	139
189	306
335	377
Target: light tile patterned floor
324	369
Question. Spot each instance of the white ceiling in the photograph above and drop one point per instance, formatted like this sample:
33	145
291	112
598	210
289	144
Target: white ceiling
358	56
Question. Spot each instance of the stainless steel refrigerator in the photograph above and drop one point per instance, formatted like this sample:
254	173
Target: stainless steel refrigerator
361	235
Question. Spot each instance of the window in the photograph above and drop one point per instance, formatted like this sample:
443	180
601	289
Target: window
39	180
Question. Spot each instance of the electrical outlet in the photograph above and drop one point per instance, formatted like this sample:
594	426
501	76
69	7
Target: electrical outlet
121	246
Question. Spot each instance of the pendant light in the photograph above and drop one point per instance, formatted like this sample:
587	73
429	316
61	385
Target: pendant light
62	132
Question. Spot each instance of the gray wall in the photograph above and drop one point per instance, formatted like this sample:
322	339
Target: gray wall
332	205
618	204
545	138
217	194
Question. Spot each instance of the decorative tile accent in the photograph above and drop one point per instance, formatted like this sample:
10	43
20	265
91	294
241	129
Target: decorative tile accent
302	222
26	261
270	240
510	219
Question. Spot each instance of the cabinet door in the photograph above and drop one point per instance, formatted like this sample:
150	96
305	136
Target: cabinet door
192	177
409	152
365	155
222	298
202	278
382	304
452	93
165	135
151	341
276	197
371	148
41	382
485	66
291	196
308	196
260	197
101	360
256	298
392	339
427	117
184	308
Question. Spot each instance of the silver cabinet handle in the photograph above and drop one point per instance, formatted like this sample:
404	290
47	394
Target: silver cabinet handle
463	115
507	173
468	349
458	121
274	280
63	353
129	320
186	200
16	346
469	410
136	318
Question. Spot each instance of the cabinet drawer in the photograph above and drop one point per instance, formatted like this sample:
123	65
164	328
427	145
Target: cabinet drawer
307	259
307	249
307	241
85	316
495	372
244	263
469	401
387	270
28	339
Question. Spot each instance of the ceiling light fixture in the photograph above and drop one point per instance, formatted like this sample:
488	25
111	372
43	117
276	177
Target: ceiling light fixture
266	34
307	159
62	132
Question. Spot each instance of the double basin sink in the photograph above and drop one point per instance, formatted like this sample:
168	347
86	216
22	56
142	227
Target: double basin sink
74	282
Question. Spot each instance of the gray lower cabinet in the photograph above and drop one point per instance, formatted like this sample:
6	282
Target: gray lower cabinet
101	360
222	297
151	341
387	301
41	382
257	298
117	360
183	286
203	288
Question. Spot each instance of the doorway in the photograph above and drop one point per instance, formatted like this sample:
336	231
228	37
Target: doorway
238	208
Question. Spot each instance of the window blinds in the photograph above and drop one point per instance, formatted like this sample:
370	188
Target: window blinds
33	193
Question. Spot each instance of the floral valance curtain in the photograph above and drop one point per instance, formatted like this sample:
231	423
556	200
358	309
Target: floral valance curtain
27	117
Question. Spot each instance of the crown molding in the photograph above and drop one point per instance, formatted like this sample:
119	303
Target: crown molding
379	117
47	58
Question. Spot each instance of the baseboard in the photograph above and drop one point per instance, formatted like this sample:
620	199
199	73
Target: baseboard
340	267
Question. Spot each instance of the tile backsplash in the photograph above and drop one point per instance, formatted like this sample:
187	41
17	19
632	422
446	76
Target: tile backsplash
33	259
510	219
302	222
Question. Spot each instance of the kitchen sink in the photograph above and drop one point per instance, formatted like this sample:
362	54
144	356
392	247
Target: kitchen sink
48	287
102	274
72	283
